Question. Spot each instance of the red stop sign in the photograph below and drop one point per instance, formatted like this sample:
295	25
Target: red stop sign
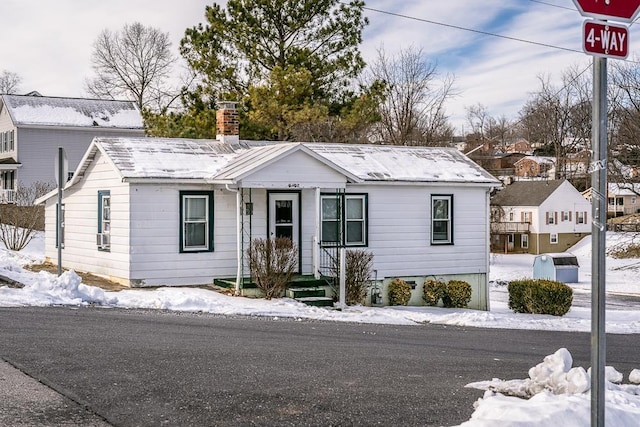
615	10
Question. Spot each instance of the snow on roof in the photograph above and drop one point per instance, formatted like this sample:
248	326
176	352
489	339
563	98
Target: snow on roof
399	163
624	189
169	158
539	159
49	111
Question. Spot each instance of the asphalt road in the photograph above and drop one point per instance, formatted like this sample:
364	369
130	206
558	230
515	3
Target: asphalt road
146	368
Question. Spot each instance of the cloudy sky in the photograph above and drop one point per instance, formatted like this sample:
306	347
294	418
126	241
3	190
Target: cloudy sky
49	43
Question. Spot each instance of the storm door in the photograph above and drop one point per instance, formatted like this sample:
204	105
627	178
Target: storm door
284	216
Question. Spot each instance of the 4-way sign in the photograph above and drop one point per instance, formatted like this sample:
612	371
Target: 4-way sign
605	39
613	10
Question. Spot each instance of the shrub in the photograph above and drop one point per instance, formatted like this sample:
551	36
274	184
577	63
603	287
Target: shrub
272	263
359	267
433	290
540	297
399	292
457	294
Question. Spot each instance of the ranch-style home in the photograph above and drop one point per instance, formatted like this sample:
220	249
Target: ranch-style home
32	127
155	212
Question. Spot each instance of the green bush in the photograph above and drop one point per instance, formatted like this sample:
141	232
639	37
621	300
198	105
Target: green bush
433	290
399	292
540	296
457	294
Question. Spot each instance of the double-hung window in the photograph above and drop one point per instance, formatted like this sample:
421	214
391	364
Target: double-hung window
344	219
104	220
196	221
442	219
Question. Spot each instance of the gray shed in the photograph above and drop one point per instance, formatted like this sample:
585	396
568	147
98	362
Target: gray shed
561	267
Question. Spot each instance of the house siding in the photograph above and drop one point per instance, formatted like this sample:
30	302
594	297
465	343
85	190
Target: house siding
296	171
81	224
541	243
400	230
37	150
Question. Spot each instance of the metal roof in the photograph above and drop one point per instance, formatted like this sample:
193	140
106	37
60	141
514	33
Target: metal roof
29	110
211	160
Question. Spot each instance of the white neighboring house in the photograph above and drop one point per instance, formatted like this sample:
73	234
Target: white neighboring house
539	217
32	127
622	198
183	212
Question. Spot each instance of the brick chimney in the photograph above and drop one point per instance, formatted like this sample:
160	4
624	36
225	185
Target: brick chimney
227	123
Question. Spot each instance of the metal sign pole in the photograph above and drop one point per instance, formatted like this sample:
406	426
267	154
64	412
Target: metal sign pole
598	236
61	181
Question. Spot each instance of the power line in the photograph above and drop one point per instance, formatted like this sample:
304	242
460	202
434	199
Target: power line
486	33
458	27
552	5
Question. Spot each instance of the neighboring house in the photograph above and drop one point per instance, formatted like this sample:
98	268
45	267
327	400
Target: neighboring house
152	212
519	146
623	198
538	217
32	127
535	167
499	165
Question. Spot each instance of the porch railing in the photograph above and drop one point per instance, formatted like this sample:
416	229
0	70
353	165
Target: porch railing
510	227
7	196
329	266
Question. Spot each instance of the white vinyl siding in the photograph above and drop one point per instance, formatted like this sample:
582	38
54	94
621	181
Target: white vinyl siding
399	233
82	221
36	149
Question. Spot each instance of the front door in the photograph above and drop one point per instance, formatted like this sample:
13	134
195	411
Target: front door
284	216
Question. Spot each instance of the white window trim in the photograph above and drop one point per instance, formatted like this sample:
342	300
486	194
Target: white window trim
185	221
552	240
524	241
448	220
343	221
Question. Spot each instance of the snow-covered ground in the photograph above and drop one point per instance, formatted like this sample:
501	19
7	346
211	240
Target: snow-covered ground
556	393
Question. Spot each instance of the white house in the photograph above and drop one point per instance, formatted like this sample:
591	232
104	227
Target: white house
622	198
32	127
183	212
539	217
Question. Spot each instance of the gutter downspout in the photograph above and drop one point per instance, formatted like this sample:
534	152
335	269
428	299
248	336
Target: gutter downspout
487	248
238	237
316	237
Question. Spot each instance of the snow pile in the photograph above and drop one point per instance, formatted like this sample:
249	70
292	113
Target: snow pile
555	394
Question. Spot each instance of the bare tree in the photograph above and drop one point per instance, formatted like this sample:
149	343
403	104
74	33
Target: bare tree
134	63
478	118
559	118
414	110
9	82
624	124
20	220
